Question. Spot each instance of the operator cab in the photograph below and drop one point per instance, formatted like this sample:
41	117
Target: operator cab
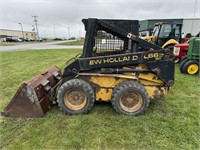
166	31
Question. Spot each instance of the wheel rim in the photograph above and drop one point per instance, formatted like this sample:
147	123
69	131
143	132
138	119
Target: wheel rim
193	68
75	99
131	101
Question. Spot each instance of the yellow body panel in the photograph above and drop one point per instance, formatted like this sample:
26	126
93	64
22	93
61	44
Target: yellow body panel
152	91
156	93
107	83
104	94
103	84
149	79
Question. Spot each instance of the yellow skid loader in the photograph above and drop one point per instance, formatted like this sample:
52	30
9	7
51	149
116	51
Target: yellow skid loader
113	67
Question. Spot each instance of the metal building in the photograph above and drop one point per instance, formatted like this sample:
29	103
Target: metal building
4	33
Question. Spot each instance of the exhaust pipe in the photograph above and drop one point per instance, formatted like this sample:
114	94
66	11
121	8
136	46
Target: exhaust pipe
36	96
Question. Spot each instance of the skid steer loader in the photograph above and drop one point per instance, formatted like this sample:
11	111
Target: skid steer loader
115	65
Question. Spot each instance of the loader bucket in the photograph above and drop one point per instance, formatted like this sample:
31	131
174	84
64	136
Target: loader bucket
36	96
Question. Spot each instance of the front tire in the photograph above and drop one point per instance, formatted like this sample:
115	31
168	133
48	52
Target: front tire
182	64
75	97
130	98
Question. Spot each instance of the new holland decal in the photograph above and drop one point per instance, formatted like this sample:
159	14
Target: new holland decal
156	56
113	60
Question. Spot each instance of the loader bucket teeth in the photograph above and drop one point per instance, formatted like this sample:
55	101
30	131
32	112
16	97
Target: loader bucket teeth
36	96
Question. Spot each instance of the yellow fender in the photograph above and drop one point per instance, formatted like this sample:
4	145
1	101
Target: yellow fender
170	42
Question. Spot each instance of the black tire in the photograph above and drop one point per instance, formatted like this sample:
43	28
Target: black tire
191	67
75	97
182	64
170	48
130	98
183	58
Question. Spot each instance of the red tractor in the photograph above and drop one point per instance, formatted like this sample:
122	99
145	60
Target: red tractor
180	50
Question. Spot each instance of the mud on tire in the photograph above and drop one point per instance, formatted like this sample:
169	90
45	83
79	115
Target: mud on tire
75	97
130	98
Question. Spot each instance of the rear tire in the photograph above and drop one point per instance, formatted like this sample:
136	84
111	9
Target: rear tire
191	67
75	97
130	98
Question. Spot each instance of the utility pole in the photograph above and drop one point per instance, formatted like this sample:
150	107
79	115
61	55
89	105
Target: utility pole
22	30
35	21
54	32
34	31
79	33
69	31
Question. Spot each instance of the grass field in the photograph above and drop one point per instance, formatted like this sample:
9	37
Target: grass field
77	42
171	123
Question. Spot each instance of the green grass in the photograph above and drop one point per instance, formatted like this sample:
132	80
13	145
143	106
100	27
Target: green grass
78	42
169	123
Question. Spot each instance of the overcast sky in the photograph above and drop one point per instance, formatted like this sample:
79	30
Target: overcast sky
61	15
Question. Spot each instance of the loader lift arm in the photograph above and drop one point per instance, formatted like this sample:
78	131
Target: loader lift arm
160	63
158	60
